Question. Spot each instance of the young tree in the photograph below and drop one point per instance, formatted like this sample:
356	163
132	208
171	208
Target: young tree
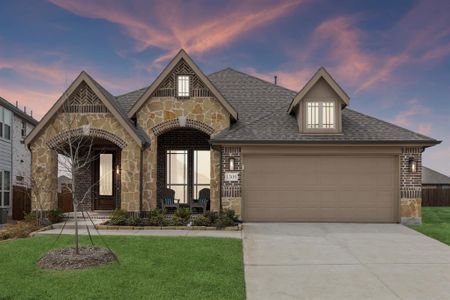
78	155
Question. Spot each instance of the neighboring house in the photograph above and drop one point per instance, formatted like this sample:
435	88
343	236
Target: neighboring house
435	188
433	179
270	153
15	157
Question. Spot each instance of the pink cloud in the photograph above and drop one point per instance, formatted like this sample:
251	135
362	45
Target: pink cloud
36	101
414	109
343	40
164	25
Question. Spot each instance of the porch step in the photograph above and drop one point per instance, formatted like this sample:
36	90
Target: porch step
94	215
70	224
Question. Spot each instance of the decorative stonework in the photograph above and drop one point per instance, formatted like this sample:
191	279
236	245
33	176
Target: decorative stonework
233	203
45	161
84	100
202	113
410	186
92	132
176	123
168	88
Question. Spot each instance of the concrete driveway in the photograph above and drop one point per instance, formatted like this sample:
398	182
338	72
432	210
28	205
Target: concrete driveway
343	261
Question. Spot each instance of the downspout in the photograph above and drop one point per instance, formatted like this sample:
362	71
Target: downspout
141	179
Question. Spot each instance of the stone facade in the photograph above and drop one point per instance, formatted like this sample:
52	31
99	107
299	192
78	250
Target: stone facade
231	190
45	160
410	186
201	110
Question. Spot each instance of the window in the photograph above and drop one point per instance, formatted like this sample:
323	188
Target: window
24	128
202	171
183	86
5	123
106	175
177	173
5	188
320	115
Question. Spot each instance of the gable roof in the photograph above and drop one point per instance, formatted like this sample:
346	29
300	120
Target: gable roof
430	176
268	122
182	55
321	73
108	100
17	111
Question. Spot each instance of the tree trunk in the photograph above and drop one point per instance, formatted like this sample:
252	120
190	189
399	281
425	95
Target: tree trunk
75	211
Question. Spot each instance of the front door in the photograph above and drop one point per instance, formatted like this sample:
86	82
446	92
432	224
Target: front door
104	178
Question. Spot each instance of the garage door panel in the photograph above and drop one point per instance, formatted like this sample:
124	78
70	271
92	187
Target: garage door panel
323	188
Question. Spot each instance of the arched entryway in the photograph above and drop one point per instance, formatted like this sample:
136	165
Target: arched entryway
97	179
183	164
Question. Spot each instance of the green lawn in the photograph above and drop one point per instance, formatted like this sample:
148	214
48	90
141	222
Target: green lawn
436	223
150	268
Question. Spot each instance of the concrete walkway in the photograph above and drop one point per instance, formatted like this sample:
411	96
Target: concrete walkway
343	261
192	233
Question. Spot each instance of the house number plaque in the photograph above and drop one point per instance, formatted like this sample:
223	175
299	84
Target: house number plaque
231	176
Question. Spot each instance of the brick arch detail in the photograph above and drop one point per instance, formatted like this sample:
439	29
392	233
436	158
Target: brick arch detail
177	123
86	131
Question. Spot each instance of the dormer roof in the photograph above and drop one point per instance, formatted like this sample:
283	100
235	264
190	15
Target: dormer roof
322	73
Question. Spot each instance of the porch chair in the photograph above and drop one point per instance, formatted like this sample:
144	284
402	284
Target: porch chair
203	199
169	200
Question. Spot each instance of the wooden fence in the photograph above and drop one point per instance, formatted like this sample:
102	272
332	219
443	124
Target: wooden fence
437	195
21	202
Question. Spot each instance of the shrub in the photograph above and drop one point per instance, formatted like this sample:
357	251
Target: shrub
212	216
118	217
231	214
55	215
224	221
157	218
20	230
30	217
181	216
226	218
201	221
134	221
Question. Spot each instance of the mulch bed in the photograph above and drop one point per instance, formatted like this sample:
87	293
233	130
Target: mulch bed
66	259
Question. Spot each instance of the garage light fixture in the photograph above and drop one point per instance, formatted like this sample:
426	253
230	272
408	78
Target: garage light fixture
412	165
231	163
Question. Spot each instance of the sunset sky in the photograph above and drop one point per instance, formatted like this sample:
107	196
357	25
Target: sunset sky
392	57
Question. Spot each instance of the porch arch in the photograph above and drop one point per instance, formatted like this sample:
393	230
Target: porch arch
181	122
86	131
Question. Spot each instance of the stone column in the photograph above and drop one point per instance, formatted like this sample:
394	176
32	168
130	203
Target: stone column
44	174
215	180
410	186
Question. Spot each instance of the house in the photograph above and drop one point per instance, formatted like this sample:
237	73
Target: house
270	153
435	188
15	157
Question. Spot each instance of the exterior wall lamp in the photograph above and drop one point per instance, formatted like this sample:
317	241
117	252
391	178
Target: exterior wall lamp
117	170
412	165
231	163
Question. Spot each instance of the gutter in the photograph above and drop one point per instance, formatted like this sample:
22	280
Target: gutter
296	142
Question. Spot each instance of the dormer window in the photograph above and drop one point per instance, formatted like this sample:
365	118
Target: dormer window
320	115
183	86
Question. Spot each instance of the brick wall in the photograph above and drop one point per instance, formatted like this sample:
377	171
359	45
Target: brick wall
410	186
410	183
231	190
83	181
